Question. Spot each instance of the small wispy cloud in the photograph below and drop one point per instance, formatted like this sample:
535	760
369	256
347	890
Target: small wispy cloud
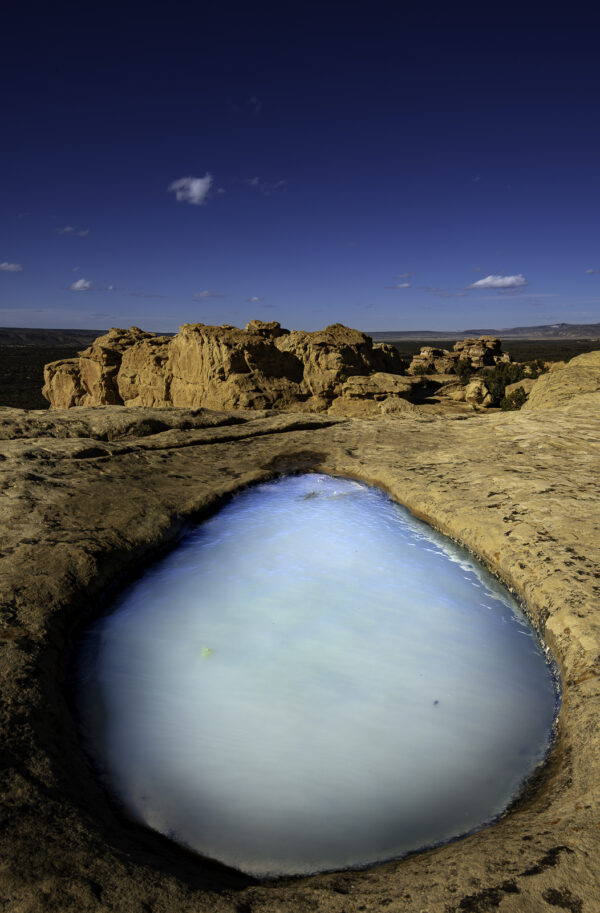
71	230
403	275
515	293
399	285
142	294
268	188
206	293
501	282
192	190
444	292
255	104
590	271
10	267
110	288
81	285
254	299
75	269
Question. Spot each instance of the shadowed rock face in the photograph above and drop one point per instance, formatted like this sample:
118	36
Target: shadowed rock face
263	366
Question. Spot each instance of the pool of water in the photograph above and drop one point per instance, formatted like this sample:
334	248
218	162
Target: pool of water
314	679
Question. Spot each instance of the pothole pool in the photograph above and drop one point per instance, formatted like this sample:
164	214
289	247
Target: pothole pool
314	679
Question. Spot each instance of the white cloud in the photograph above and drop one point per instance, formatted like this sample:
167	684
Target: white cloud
192	190
200	296
10	267
517	281
71	230
266	187
403	275
590	271
399	285
254	299
82	285
110	288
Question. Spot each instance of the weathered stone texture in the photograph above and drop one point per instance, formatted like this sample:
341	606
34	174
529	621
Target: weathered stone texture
483	352
263	366
89	495
565	385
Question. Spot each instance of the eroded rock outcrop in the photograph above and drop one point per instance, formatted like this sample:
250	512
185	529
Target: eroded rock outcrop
567	384
261	367
479	353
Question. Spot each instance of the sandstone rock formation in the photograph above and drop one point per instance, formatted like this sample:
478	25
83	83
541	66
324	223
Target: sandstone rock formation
526	384
483	352
263	366
566	385
90	495
477	393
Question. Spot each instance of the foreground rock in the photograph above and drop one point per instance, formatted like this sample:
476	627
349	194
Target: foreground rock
263	366
573	384
89	496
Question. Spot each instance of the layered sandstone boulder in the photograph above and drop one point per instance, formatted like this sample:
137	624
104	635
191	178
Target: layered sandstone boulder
577	383
477	393
261	367
479	353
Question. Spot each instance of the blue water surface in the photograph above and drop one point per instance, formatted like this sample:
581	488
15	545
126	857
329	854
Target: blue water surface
314	679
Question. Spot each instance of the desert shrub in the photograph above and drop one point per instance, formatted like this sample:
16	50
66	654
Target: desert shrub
509	372
464	370
514	400
536	368
424	369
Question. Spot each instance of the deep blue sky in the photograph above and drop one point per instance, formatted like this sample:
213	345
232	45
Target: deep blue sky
367	164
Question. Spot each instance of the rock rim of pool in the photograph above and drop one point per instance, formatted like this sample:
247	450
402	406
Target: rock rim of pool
92	495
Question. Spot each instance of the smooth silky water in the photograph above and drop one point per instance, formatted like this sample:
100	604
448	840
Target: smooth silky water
314	679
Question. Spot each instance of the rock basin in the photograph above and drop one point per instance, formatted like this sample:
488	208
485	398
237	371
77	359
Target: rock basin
90	495
368	690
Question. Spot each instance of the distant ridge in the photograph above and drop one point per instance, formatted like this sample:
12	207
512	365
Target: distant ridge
34	336
31	336
546	331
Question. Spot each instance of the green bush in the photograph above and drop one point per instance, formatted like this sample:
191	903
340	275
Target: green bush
507	372
464	370
514	400
424	369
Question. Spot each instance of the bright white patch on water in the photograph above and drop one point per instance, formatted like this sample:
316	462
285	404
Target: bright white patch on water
295	689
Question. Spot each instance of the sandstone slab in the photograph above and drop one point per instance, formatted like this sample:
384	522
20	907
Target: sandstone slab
89	496
564	385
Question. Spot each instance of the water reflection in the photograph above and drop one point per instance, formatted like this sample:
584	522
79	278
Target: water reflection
314	680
